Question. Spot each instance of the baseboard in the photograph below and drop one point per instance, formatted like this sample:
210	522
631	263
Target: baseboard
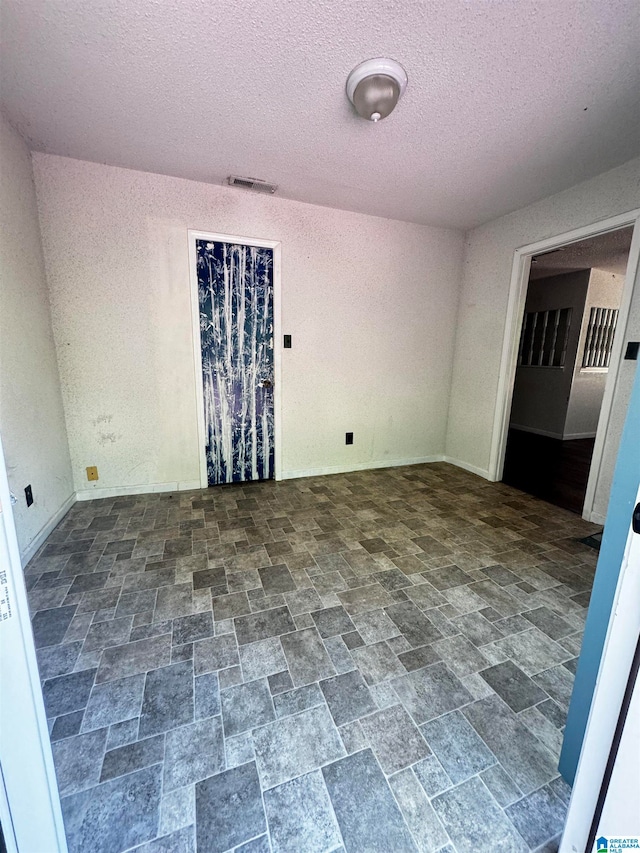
45	531
545	432
473	469
193	485
596	518
358	466
144	489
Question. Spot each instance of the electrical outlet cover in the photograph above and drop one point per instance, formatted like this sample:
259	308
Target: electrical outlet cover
92	473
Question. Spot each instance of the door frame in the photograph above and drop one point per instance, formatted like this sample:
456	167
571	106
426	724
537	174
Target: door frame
519	283
613	673
30	809
276	247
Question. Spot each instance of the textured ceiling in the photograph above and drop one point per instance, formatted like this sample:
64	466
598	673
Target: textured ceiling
608	252
507	101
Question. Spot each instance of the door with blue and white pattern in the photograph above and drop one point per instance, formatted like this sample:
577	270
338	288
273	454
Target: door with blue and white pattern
235	298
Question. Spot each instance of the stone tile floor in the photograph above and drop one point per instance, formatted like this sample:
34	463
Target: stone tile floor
376	661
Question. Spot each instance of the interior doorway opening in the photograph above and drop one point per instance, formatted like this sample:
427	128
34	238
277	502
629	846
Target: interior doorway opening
569	327
619	377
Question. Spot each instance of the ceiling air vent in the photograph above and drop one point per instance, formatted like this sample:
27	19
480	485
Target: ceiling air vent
252	184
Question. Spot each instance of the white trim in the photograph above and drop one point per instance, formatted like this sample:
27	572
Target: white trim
569	436
277	359
276	247
596	518
520	269
197	359
473	469
28	773
615	365
359	466
545	432
53	522
194	485
615	663
515	309
144	489
6	823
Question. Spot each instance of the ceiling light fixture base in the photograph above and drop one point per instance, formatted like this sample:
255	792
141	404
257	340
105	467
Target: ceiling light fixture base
375	86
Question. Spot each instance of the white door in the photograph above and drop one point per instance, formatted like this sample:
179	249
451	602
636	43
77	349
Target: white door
621	811
613	676
29	803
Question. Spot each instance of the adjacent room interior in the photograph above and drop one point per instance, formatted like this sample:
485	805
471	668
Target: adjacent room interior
568	334
283	597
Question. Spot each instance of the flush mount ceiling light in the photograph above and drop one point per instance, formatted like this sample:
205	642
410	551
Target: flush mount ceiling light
374	87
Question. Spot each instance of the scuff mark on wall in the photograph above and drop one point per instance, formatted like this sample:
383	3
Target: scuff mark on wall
108	438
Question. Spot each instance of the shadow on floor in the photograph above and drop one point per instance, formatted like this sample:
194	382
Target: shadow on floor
553	470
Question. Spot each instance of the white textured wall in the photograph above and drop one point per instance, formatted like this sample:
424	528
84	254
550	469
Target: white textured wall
370	304
481	319
587	387
621	398
31	414
541	394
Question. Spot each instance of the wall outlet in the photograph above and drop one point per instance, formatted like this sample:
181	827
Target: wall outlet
348	438
92	473
28	495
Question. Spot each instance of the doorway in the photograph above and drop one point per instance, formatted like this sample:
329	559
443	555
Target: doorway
235	300
566	342
618	376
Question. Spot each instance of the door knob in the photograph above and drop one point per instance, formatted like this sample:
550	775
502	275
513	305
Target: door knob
267	383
